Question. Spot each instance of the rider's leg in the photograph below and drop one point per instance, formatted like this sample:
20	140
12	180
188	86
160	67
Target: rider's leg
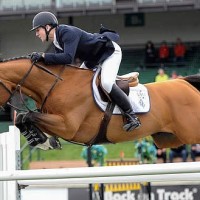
121	99
109	72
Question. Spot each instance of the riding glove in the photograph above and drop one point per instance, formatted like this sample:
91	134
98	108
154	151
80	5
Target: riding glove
36	57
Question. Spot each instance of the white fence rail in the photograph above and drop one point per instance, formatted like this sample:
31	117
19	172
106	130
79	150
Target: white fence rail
116	179
10	177
137	173
94	172
9	145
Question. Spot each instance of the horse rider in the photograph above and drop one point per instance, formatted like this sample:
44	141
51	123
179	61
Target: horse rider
94	49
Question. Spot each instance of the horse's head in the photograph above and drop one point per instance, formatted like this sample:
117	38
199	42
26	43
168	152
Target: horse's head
9	76
19	75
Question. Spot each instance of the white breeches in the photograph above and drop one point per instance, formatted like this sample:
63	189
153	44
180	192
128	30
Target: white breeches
110	68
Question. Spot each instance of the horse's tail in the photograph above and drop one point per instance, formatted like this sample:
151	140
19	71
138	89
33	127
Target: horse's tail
194	80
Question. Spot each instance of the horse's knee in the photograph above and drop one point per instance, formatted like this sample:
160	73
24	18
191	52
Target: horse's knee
29	117
20	122
24	121
19	118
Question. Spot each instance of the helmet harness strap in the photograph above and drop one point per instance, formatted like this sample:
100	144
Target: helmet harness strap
47	32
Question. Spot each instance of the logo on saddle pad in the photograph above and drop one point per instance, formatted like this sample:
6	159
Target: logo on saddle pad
138	96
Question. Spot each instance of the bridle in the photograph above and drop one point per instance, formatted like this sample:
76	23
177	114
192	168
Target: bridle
20	84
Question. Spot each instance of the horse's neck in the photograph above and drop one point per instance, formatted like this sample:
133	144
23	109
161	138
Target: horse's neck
13	74
13	71
38	83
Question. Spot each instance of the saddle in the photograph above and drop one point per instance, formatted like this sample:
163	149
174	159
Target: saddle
123	82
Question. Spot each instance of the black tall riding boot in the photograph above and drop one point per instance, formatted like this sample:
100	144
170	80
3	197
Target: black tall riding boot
121	99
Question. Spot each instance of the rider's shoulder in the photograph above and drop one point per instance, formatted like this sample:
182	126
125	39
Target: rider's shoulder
63	28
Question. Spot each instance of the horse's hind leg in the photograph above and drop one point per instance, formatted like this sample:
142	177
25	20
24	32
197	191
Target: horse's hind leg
164	140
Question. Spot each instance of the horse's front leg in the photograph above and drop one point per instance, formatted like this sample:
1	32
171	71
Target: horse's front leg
33	124
49	123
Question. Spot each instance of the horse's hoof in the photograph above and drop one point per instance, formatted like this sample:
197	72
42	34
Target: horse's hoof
55	143
50	144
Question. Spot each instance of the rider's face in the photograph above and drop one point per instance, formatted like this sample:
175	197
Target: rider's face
40	33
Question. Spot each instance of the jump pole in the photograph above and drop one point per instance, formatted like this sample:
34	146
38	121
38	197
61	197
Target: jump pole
10	142
9	161
135	170
116	179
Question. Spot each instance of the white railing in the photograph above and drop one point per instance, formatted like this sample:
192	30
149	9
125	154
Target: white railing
186	177
10	177
149	172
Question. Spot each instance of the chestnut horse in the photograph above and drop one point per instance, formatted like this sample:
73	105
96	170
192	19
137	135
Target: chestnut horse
69	111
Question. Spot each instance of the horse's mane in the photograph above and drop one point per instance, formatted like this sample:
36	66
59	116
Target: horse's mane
28	57
42	65
15	58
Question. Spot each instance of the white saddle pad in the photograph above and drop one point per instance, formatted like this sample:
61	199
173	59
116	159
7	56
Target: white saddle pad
138	96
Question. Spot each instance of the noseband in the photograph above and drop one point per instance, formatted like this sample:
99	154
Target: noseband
18	88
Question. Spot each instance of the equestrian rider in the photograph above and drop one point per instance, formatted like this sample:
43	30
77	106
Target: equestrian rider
94	49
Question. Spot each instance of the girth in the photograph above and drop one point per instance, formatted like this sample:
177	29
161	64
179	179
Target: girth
101	136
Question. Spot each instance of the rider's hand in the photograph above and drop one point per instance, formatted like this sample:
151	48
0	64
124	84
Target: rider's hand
36	57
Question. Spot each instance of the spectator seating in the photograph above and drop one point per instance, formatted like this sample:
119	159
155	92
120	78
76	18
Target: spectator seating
21	4
133	60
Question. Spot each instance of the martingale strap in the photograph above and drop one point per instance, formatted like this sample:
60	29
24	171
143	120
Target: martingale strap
53	85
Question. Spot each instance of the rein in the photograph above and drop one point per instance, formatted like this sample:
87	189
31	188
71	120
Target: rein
19	85
16	89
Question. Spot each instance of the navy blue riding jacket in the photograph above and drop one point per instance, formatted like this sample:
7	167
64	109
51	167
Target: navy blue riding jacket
74	42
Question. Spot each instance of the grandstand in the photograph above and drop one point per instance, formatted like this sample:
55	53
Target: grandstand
93	7
135	20
133	60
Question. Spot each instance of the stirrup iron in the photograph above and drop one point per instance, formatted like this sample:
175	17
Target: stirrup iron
131	122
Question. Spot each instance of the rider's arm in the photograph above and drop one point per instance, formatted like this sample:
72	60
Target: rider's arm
70	41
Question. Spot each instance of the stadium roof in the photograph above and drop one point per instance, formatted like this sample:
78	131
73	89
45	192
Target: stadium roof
22	9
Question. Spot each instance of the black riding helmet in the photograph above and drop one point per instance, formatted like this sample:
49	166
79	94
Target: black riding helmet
42	19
